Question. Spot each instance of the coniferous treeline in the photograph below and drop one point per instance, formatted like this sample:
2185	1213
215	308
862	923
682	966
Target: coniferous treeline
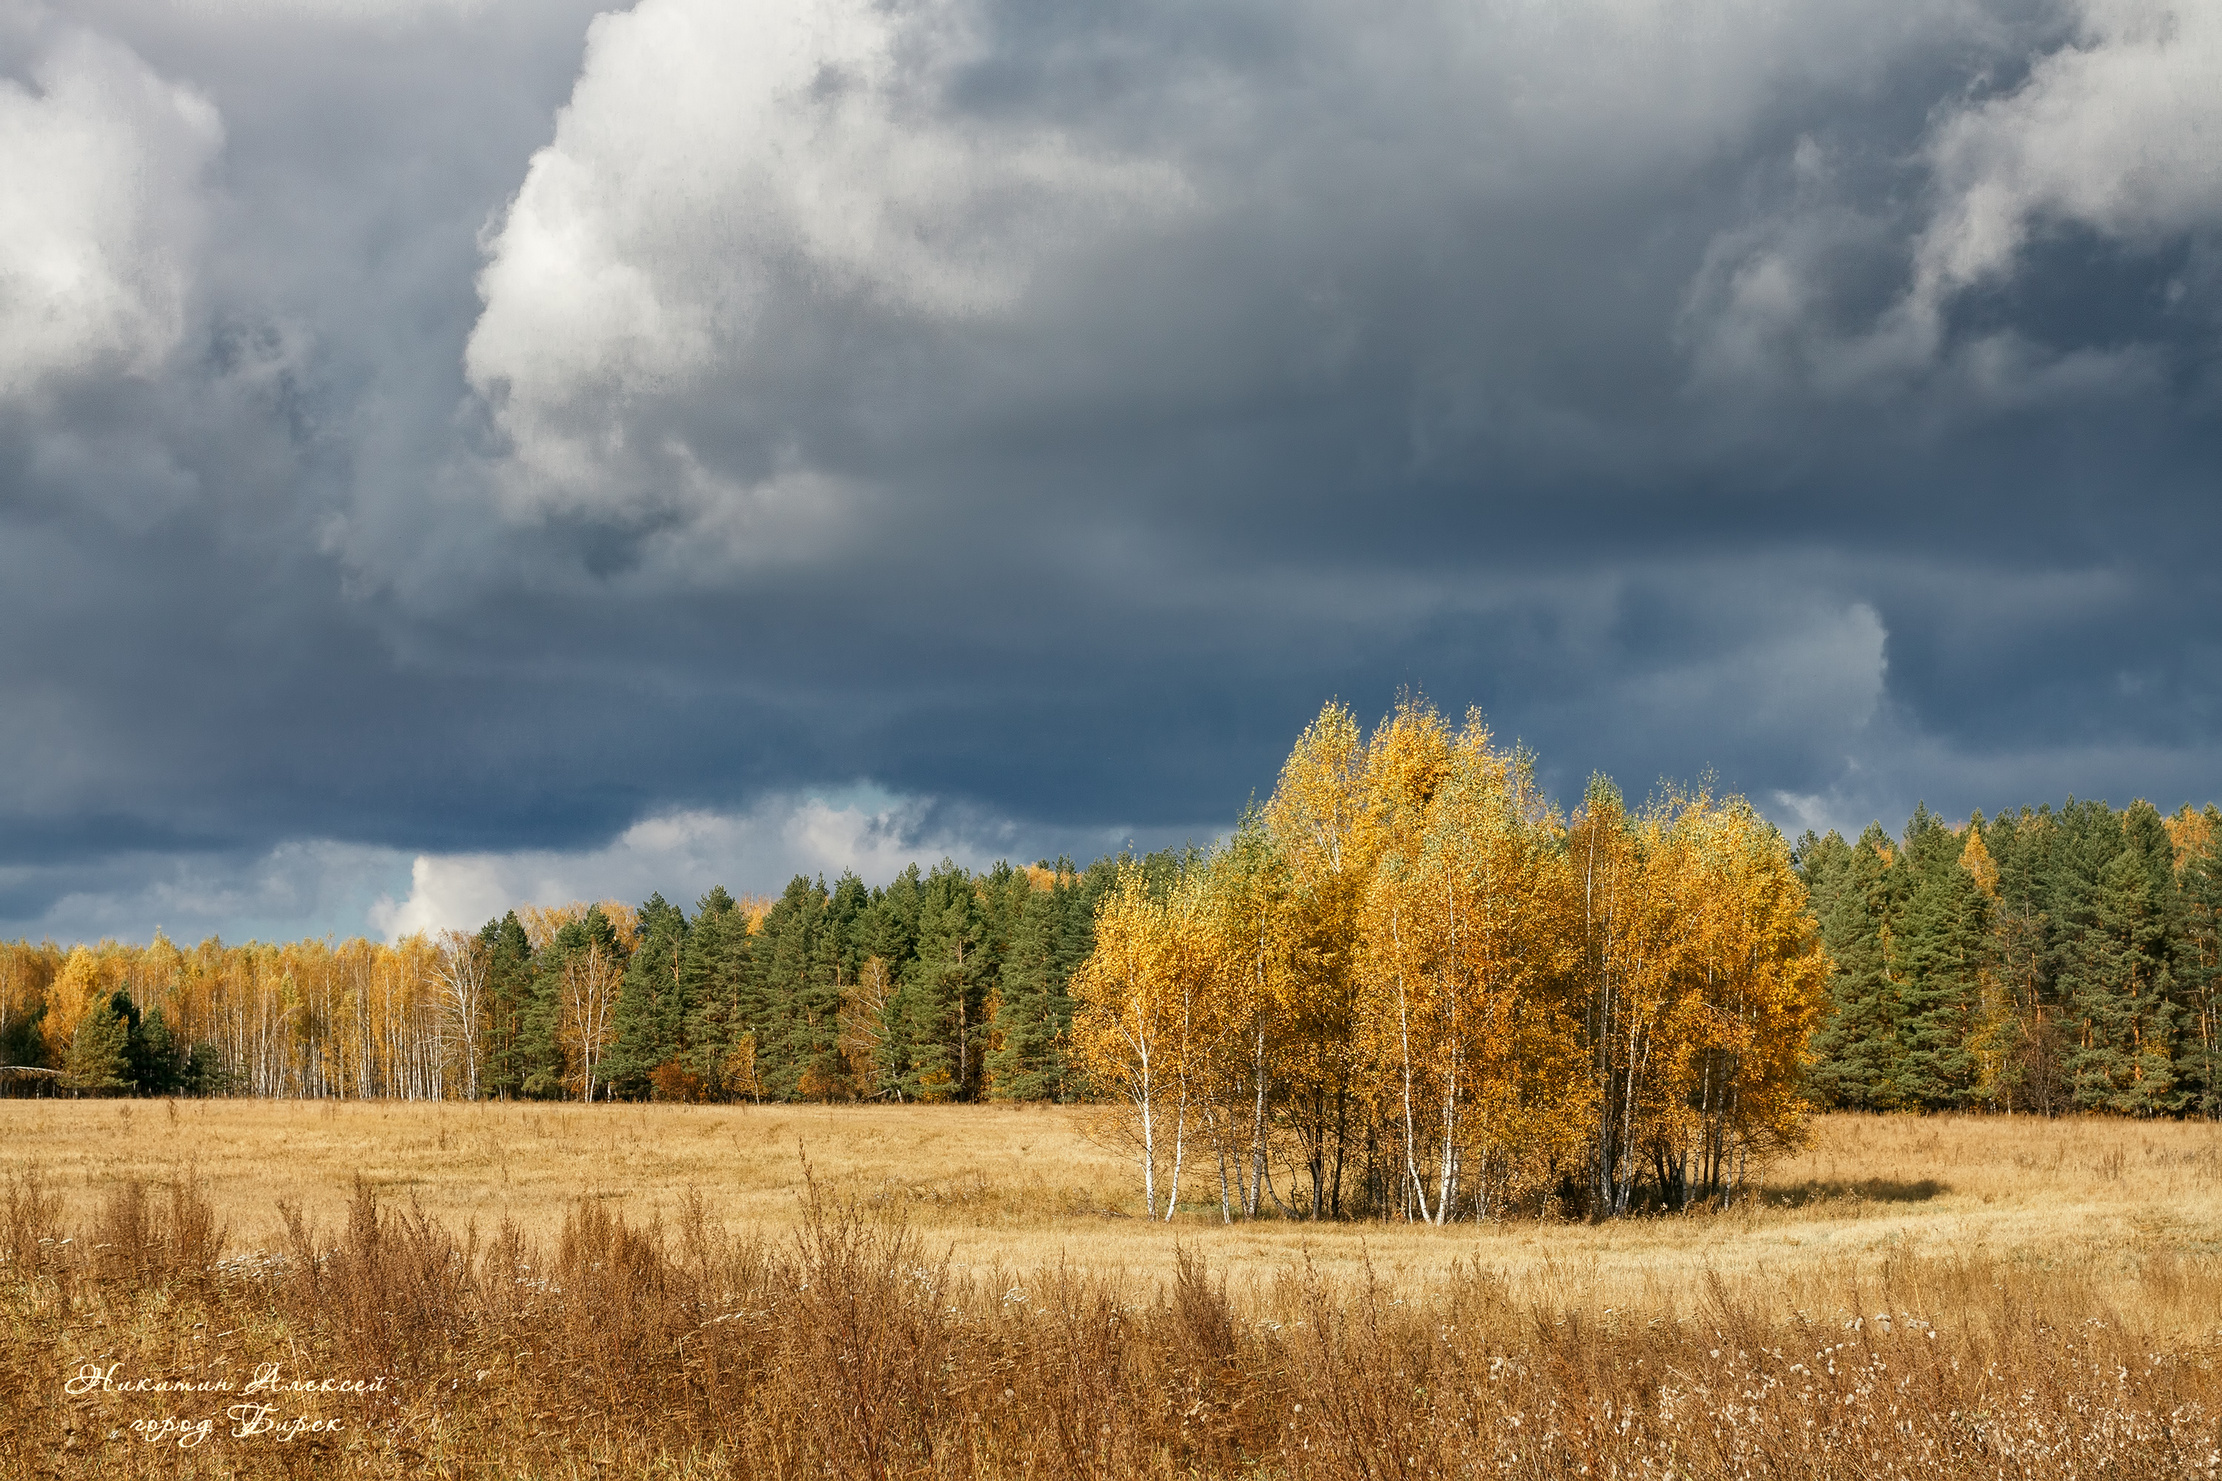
946	985
2041	960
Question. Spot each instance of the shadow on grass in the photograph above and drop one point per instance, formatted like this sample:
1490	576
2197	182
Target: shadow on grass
1870	1190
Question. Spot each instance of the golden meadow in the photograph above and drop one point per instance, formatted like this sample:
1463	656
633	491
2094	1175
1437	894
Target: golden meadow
568	1290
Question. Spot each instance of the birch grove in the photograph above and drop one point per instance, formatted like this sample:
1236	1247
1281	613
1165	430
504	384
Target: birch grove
1408	987
354	1020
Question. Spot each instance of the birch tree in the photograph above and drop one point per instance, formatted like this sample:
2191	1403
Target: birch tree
1136	1003
1317	818
1250	926
591	975
1467	957
462	978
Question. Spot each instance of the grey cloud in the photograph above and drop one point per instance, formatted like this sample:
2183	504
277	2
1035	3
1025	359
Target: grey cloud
1035	412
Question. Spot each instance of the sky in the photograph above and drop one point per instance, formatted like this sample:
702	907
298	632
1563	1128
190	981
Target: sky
456	452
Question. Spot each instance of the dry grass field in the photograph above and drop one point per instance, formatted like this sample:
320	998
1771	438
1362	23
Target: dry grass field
564	1290
1023	1186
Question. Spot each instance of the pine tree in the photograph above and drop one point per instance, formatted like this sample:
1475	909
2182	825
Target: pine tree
2021	847
1992	1036
796	1006
508	994
99	1058
1820	864
892	929
2199	991
889	928
1033	1011
2124	931
158	1061
649	1026
939	1005
822	1070
2089	840
540	1037
22	1041
1943	942
1859	1060
1081	894
716	985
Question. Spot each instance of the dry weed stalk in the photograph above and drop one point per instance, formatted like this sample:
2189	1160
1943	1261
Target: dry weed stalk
851	1350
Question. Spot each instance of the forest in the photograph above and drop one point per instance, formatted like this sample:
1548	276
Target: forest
2040	960
1406	984
936	986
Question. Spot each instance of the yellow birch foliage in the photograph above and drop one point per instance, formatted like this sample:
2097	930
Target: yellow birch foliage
1137	1002
2192	832
1465	959
89	975
1409	984
1756	989
1251	924
27	976
542	922
1705	981
1317	820
1975	858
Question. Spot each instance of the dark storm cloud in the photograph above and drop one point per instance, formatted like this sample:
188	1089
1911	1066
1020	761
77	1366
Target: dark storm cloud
493	433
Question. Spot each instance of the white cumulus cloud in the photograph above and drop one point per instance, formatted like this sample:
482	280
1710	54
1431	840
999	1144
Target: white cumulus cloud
683	854
2120	131
101	204
722	163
